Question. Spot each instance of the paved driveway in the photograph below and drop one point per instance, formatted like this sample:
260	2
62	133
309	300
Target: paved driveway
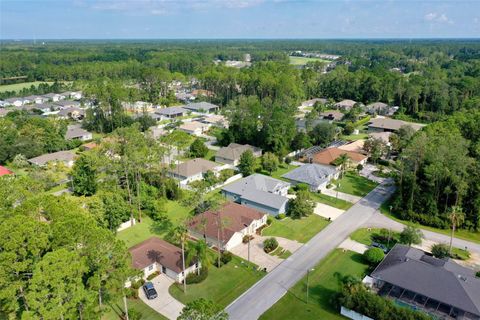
327	211
353	245
340	195
271	288
259	257
164	304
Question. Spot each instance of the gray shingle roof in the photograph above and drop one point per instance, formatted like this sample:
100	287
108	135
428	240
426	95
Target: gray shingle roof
199	106
234	150
441	280
56	156
194	167
311	174
171	111
260	189
393	124
75	132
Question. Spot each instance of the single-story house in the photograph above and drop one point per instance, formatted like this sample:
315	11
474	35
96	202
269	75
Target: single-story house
195	128
377	108
332	115
227	226
4	171
3	104
329	156
45	107
16	102
440	287
381	124
75	132
317	176
311	102
384	136
67	157
202	107
355	146
157	255
172	112
65	104
184	96
232	153
346	104
216	120
54	97
259	192
193	170
73	113
201	92
34	99
75	95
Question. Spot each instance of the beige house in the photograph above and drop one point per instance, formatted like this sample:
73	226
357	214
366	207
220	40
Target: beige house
194	128
66	157
346	104
193	170
381	124
232	153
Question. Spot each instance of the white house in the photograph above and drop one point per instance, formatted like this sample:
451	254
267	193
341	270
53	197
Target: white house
194	128
66	157
193	170
16	102
75	132
317	176
157	255
237	220
232	153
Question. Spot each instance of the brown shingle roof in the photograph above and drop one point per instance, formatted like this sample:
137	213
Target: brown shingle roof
234	217
156	250
193	167
329	155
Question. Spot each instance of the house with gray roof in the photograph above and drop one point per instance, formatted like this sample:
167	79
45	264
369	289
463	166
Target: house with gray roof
17	102
72	113
381	124
232	153
63	104
317	176
67	157
75	132
54	97
193	170
259	192
172	112
440	287
346	104
202	107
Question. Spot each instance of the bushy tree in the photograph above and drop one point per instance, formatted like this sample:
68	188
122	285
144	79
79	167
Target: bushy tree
440	250
247	163
323	133
202	309
270	244
198	149
411	235
374	256
270	162
301	206
84	177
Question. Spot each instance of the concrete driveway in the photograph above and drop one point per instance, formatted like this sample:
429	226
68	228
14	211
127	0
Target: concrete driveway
327	211
344	196
259	257
353	245
164	304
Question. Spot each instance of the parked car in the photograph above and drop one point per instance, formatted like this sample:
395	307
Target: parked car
380	246
149	290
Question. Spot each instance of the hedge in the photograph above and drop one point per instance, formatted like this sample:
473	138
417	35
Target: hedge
197	277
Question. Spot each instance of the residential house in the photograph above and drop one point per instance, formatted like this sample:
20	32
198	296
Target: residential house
4	171
45	107
156	255
439	287
54	97
172	112
184	96
216	120
226	227
329	156
75	95
201	92
311	102
384	136
259	192
381	124
194	127
202	107
377	108
72	113
16	102
66	157
34	99
332	115
317	176
4	104
345	105
65	104
193	170
232	153
354	146
75	132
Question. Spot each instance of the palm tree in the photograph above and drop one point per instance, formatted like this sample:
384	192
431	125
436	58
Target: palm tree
342	161
456	217
198	250
180	234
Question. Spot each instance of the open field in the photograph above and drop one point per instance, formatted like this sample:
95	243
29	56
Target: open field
300	61
19	86
323	285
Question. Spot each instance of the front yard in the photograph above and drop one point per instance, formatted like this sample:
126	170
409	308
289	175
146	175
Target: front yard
277	174
223	285
331	201
352	183
300	230
147	313
323	285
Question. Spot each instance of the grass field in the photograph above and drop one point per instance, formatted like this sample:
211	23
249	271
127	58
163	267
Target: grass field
301	230
331	201
223	285
323	285
300	61
354	184
145	311
19	86
277	174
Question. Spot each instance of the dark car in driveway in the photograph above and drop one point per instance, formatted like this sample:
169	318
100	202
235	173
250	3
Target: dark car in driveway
149	290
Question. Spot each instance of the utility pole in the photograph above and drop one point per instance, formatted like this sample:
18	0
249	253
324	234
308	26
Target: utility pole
248	235
125	305
308	273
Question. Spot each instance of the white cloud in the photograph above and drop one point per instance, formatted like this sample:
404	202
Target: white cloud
435	17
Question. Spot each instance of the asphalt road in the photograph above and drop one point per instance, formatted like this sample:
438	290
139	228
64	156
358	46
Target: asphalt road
260	297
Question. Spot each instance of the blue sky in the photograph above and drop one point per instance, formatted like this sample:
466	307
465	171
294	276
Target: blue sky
156	19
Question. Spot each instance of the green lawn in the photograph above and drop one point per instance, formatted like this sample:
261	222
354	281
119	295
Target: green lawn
323	285
300	61
223	285
355	137
146	312
352	183
364	235
277	174
331	201
147	228
19	86
301	230
281	253
459	233
210	155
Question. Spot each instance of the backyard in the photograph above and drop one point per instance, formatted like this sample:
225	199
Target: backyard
300	61
223	285
277	174
323	285
352	183
300	230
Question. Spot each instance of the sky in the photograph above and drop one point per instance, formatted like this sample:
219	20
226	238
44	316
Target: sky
201	19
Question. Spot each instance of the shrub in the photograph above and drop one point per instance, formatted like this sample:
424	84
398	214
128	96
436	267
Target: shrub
359	167
134	314
440	250
288	160
269	220
280	216
477	274
301	187
246	238
374	256
197	277
138	284
131	293
226	257
225	174
153	275
270	244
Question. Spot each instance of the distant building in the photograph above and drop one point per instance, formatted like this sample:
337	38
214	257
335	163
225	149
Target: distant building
54	97
311	102
194	127
4	171
332	115
64	104
232	153
346	104
193	170
202	107
75	132
71	113
329	156
66	157
16	102
172	112
391	125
